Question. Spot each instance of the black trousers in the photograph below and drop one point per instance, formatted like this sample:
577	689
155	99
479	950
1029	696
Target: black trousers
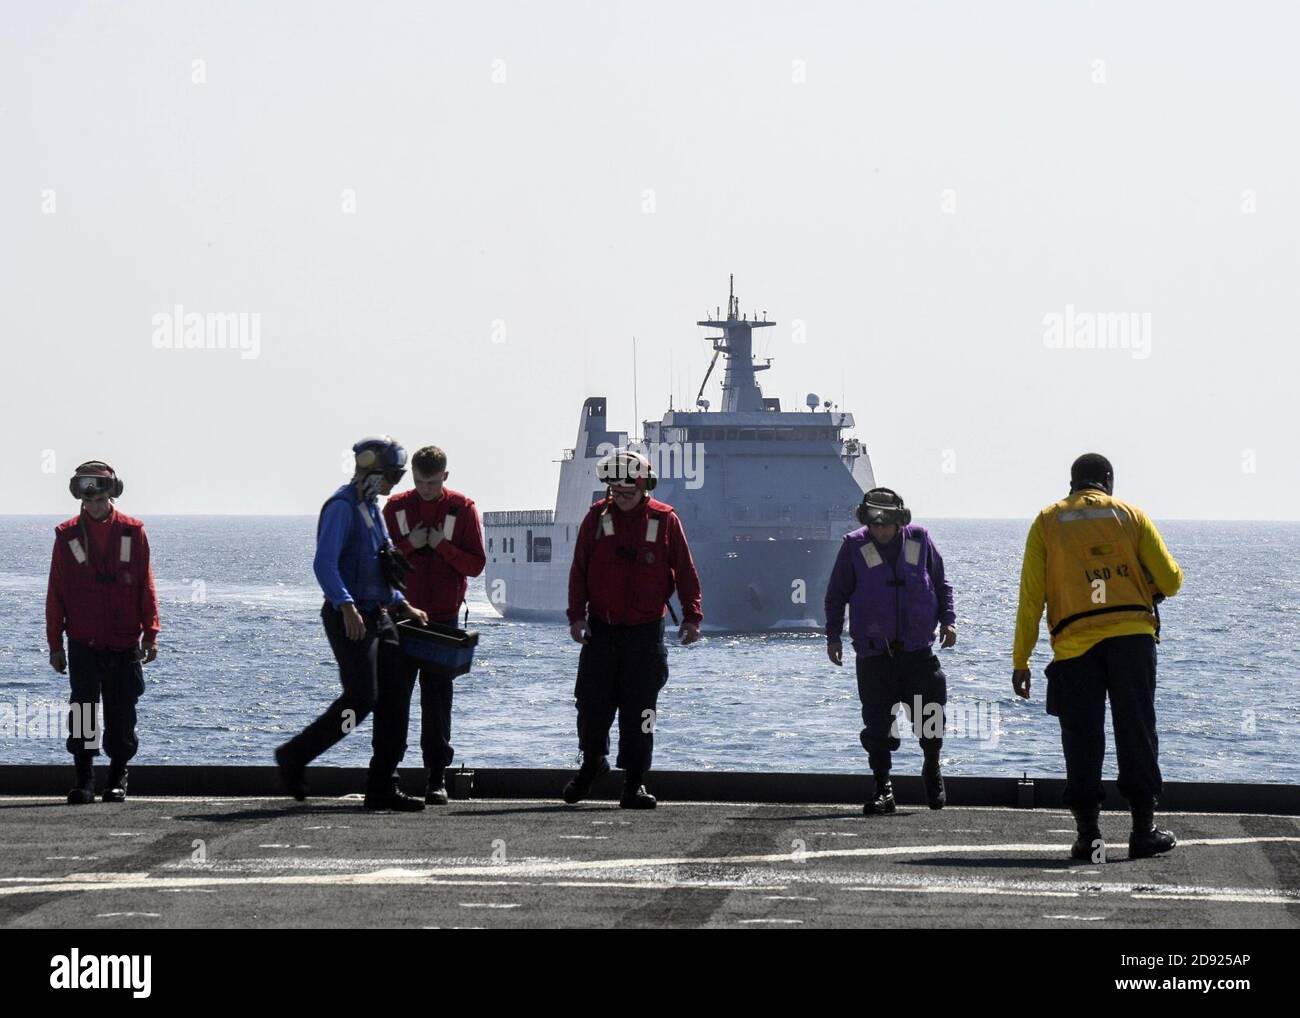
435	709
620	671
1122	668
118	677
913	678
367	667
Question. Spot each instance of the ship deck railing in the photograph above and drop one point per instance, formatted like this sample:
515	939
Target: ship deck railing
520	518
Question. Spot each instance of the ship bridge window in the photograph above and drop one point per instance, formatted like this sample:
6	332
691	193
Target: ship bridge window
765	434
541	549
731	434
747	434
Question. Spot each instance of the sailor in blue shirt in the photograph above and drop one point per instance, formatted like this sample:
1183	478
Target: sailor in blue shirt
361	574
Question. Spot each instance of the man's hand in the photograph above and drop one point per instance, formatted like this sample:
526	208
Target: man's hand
419	536
59	661
835	651
353	624
148	653
1020	682
580	632
436	537
947	635
688	633
406	610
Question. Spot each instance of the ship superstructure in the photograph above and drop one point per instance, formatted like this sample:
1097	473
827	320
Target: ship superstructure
765	496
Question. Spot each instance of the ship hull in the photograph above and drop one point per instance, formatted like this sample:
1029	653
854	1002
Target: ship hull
747	586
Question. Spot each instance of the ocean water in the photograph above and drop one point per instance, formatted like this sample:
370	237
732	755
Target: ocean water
244	664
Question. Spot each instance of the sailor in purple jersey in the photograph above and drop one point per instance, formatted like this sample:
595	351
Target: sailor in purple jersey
890	576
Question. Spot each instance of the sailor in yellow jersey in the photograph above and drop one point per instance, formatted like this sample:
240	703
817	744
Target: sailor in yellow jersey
1101	568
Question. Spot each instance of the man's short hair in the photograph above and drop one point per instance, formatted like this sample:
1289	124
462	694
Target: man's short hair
429	461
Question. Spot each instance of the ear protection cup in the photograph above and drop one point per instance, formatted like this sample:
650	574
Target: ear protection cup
378	454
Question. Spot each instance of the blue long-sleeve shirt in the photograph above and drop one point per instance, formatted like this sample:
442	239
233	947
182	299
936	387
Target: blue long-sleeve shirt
347	553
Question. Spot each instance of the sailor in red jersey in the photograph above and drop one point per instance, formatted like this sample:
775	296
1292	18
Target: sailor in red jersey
629	556
438	530
101	593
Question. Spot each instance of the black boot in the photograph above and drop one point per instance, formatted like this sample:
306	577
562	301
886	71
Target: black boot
932	777
83	791
588	774
435	789
884	802
1088	845
387	794
634	794
293	775
1147	839
115	790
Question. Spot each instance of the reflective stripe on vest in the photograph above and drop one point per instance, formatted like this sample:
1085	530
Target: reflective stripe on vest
1074	515
124	553
401	522
606	524
78	552
449	525
651	529
871	555
912	551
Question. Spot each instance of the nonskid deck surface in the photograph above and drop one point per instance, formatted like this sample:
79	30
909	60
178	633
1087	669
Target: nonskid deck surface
240	862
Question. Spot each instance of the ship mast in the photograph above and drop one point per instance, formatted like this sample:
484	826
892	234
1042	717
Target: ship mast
740	389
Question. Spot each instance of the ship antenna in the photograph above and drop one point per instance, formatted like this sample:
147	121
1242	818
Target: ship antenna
636	414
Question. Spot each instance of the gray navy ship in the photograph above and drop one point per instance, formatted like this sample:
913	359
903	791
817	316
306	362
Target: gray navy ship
765	496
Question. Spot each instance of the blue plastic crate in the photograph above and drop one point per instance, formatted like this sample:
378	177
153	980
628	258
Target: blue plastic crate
445	649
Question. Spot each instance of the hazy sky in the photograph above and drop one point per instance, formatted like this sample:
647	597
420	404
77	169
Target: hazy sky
453	218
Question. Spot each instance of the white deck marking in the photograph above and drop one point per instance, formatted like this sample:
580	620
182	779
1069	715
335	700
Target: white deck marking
775	922
980	889
115	915
489	904
787	897
595	873
1079	918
